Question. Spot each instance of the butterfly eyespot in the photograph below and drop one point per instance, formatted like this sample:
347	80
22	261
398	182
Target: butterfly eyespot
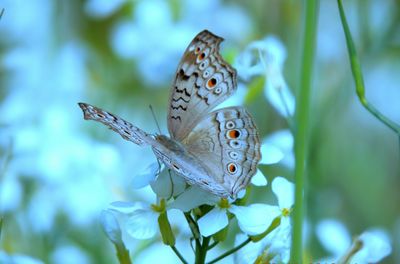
211	83
233	134
218	90
201	56
234	144
234	155
202	65
230	124
206	74
232	168
197	50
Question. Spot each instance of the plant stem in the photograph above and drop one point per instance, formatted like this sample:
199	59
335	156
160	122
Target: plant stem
179	254
213	245
358	77
302	122
201	252
229	252
122	254
193	228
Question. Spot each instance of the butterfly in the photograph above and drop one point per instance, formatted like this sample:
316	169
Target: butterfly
216	150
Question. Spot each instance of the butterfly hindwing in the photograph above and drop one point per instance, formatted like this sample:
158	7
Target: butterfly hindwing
226	142
203	80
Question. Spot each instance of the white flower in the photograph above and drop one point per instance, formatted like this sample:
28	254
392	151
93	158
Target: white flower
111	226
146	176
193	197
278	147
277	243
333	235
266	57
139	220
252	219
255	218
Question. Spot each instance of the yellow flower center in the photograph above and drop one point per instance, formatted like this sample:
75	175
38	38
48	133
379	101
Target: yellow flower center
159	208
224	204
285	212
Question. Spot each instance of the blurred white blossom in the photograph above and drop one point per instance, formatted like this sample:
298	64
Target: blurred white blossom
333	235
266	57
278	148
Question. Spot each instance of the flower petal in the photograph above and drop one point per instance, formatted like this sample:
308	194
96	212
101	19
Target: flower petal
126	207
193	197
168	184
376	246
334	236
111	226
213	221
270	154
284	191
142	224
278	93
278	147
259	179
146	176
255	218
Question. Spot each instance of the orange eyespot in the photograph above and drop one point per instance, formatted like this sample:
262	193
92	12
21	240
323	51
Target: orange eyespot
201	56
234	133
212	82
197	50
232	167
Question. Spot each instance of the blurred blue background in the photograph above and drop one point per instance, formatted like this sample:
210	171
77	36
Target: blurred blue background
58	172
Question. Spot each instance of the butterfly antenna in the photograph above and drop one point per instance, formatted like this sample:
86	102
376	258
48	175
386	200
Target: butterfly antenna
154	117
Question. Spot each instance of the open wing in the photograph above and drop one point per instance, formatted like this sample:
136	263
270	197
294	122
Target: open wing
226	143
203	80
119	125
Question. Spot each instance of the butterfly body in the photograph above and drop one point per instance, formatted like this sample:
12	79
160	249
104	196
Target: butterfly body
217	151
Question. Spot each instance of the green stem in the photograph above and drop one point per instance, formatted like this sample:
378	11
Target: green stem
193	228
229	252
358	77
201	252
122	254
302	122
213	245
179	254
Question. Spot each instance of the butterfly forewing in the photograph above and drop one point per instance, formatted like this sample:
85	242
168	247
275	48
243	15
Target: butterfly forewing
203	80
119	125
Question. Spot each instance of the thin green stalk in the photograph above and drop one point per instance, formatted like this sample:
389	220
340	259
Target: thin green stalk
201	252
358	77
302	122
122	254
231	251
179	254
213	245
193	228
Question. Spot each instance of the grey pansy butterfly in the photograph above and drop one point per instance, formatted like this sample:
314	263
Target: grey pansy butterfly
218	151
